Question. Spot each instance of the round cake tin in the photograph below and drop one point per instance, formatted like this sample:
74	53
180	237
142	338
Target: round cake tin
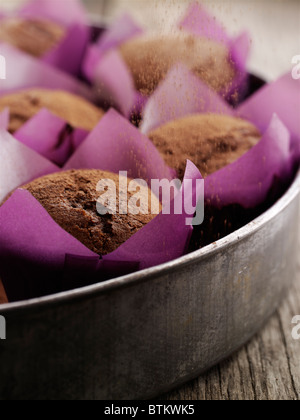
138	336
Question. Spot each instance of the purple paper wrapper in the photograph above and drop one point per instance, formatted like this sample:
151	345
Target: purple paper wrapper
19	164
49	258
32	238
24	72
200	23
281	97
51	137
248	181
45	133
116	145
68	54
122	30
196	21
112	80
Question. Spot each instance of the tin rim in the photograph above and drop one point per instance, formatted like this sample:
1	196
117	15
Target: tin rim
166	268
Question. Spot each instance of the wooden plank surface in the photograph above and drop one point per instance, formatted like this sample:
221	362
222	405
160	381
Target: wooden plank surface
267	368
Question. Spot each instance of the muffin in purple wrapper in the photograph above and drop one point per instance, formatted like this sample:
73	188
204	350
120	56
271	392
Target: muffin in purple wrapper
51	259
56	35
238	190
139	63
46	132
46	111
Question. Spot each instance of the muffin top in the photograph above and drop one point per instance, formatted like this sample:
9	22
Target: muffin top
71	197
210	141
23	105
33	36
150	59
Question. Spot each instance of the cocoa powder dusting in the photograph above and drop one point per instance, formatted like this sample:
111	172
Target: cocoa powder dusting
150	59
210	141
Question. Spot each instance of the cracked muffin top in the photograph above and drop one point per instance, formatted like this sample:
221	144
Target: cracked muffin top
71	200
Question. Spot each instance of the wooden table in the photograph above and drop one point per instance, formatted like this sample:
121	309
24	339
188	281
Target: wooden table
268	368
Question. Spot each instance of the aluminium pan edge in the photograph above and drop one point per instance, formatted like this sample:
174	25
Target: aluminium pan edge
140	335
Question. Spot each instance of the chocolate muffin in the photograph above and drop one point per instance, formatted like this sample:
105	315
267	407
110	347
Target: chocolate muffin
71	197
210	141
33	36
150	59
23	105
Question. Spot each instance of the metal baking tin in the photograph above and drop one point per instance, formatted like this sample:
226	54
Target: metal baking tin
141	335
